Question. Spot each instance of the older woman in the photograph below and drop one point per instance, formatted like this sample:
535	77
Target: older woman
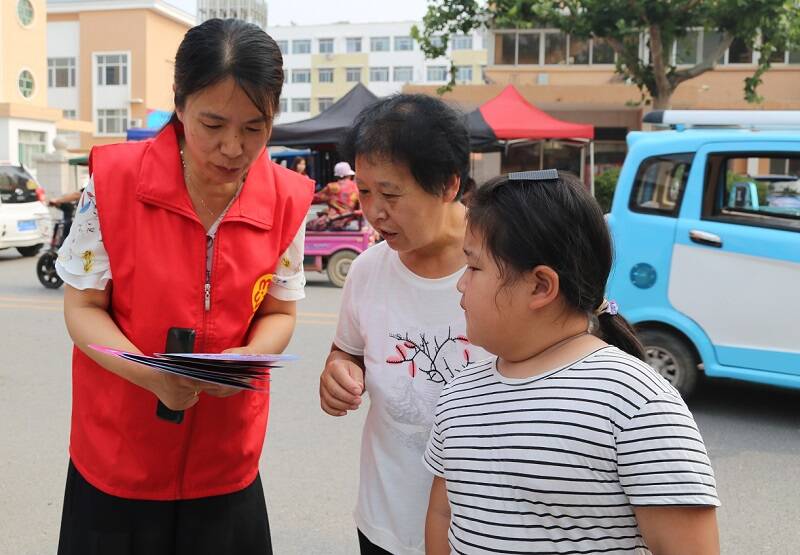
401	331
194	229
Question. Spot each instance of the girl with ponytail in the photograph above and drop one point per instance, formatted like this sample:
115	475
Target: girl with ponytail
565	440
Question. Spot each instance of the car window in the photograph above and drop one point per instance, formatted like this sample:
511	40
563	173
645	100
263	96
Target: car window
16	185
755	189
660	182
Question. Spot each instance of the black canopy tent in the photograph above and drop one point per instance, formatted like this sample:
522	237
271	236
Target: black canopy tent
323	132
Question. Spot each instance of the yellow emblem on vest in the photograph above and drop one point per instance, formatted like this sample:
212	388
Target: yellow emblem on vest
260	290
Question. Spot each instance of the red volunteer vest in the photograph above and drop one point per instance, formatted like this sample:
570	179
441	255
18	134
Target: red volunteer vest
157	253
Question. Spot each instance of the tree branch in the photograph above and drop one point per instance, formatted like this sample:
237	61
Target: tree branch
707	64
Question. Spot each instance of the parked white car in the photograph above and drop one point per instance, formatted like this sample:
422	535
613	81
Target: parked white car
25	221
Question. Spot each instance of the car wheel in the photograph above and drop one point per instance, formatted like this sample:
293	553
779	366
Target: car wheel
30	251
339	265
673	358
46	270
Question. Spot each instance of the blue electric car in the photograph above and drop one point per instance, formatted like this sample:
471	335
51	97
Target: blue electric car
706	227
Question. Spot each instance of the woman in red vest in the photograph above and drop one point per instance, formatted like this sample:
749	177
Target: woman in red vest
195	229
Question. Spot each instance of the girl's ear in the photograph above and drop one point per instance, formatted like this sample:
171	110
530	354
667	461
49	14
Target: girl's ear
545	288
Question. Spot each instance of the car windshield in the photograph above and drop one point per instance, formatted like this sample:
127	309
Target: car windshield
16	185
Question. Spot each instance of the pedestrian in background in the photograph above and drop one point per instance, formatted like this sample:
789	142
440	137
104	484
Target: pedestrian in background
299	165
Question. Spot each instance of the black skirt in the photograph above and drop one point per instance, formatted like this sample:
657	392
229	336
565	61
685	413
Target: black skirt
95	523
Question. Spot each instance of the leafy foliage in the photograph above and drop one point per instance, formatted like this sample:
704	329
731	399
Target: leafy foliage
766	26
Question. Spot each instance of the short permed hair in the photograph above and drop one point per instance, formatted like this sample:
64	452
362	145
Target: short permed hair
419	131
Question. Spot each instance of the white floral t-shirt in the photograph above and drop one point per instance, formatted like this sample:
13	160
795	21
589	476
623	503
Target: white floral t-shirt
83	260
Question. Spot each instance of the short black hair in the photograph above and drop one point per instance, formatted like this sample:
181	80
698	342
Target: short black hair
221	48
421	131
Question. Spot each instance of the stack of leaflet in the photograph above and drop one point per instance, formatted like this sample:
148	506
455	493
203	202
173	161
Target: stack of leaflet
249	372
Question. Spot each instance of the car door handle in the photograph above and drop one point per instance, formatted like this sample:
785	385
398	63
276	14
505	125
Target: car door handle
705	238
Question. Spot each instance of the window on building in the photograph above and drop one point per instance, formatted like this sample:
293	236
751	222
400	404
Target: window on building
112	121
284	46
353	74
326	46
437	41
777	57
30	145
555	48
25	83
403	44
25	12
112	69
462	42
464	74
301	46
379	44
301	105
403	74
687	48
602	52
70	114
324	103
283	106
437	73
528	48
60	72
353	44
579	51
325	75
301	76
711	41
505	49
379	74
739	52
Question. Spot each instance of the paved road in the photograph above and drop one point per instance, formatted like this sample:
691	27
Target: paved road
310	462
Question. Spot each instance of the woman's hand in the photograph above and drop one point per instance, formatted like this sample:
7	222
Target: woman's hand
217	390
341	383
175	392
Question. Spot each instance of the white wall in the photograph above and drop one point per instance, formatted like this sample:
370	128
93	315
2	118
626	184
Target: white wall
4	152
9	136
63	42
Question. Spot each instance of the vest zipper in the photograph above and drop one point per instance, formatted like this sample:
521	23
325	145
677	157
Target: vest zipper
208	295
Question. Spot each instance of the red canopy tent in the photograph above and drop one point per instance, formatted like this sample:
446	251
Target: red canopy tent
508	117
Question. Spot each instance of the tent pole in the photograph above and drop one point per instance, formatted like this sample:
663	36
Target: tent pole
541	155
583	164
591	166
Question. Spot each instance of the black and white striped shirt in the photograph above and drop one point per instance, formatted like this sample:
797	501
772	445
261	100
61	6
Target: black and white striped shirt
556	463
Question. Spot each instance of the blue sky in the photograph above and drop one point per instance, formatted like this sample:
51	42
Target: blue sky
312	12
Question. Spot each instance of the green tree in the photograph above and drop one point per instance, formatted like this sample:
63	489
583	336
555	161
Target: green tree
766	26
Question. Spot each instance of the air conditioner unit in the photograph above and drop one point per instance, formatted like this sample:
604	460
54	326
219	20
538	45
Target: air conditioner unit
136	122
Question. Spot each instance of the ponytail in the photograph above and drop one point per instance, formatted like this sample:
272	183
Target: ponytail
615	330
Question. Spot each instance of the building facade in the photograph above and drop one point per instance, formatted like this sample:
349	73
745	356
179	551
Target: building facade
323	62
252	11
111	63
28	125
575	80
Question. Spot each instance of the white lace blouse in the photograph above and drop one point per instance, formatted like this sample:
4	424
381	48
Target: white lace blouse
83	260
